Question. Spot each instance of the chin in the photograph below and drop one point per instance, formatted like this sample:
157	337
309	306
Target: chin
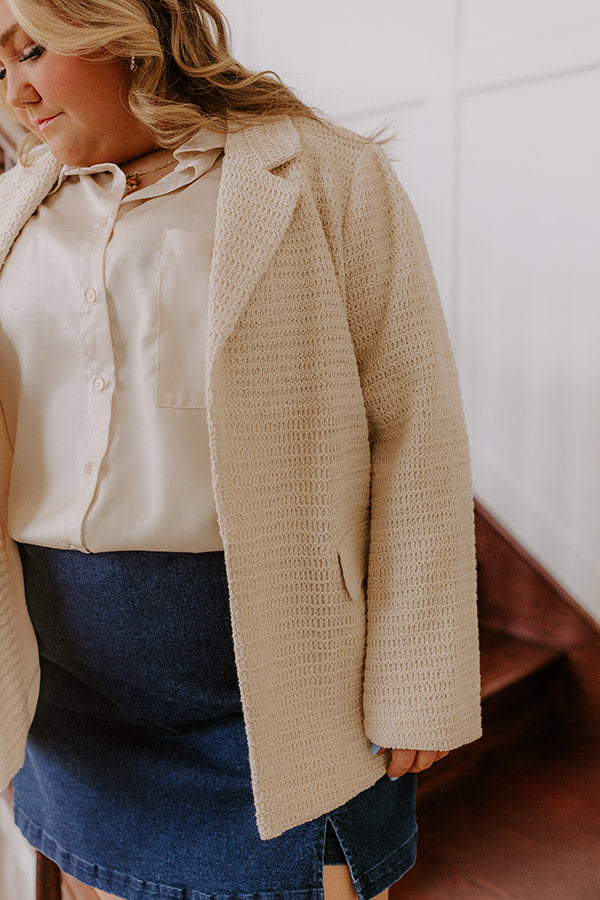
70	156
69	152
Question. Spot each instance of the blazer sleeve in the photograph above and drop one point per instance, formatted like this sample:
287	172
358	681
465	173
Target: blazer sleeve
421	678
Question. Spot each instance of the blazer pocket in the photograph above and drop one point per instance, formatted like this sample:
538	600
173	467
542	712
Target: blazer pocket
182	312
353	552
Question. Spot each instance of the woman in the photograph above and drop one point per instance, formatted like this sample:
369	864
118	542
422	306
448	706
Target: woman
227	394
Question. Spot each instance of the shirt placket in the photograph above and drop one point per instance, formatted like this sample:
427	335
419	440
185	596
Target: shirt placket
99	363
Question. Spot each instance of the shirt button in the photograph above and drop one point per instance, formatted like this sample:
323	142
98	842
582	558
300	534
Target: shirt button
104	220
88	468
99	384
90	295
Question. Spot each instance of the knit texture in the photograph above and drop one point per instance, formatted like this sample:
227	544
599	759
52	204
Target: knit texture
340	468
21	197
19	668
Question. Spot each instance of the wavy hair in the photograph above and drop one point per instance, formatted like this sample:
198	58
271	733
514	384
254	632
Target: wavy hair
185	77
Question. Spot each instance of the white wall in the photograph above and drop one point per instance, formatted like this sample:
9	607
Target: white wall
496	107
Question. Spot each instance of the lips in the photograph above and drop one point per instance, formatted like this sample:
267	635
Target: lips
43	123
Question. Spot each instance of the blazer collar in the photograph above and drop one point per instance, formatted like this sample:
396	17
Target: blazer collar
270	143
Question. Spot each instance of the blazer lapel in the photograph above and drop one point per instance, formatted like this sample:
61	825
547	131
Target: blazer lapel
254	209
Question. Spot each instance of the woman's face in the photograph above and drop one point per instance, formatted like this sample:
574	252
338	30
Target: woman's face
77	106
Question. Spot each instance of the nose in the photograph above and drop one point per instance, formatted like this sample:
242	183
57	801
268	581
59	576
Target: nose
19	90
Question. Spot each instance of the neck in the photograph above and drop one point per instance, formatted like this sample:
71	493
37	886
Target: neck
149	159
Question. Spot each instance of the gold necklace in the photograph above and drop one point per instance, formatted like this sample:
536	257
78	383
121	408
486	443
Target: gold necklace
132	181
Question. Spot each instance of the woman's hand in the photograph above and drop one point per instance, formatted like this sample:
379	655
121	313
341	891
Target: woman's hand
404	761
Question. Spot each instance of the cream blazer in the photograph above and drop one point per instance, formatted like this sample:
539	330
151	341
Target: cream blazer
340	471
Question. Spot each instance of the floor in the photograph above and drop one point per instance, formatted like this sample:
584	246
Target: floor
529	831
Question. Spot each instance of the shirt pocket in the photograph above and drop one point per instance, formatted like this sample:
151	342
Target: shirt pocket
182	319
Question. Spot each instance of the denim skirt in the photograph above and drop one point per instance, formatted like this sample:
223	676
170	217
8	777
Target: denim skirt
136	779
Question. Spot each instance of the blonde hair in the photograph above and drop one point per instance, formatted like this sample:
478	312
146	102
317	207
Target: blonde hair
184	77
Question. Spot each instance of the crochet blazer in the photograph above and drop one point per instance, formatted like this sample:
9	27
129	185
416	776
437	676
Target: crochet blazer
340	470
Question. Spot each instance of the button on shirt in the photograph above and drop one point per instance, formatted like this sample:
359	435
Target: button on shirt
103	309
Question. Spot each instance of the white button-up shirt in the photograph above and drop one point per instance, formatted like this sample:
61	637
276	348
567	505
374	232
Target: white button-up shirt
103	307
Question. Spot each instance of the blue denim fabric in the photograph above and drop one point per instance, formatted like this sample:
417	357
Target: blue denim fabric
136	779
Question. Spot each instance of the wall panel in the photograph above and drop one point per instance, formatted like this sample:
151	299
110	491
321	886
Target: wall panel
528	281
491	22
239	14
343	54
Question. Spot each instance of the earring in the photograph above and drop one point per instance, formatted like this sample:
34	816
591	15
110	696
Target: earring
132	63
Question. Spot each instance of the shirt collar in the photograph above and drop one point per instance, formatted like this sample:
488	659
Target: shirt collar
199	142
188	153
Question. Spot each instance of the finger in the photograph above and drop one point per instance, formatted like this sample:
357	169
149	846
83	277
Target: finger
401	762
424	759
441	754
